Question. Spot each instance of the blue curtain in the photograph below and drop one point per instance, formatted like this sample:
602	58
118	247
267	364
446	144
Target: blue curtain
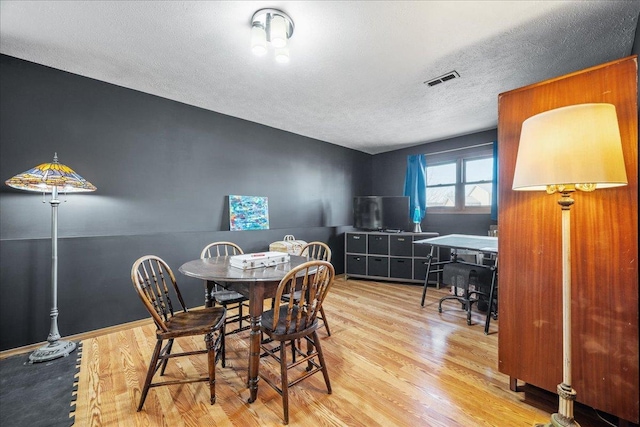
415	186
494	184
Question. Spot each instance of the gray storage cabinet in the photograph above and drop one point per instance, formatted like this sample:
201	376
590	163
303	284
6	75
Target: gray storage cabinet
386	256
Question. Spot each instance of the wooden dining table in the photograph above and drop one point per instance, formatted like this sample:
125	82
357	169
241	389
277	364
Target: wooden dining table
257	284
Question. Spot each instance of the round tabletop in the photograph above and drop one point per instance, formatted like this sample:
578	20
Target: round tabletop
220	269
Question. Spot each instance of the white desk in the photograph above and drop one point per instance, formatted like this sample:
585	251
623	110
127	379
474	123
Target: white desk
484	244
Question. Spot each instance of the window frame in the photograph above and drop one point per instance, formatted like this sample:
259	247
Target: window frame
460	157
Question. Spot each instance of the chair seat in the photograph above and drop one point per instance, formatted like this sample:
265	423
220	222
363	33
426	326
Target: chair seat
228	297
194	322
296	296
233	300
281	333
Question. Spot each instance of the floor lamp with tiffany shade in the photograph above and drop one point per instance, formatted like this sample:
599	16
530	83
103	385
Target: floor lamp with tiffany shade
563	150
52	178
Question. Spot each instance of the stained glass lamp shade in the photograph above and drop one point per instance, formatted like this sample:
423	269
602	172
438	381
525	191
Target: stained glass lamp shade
45	177
52	178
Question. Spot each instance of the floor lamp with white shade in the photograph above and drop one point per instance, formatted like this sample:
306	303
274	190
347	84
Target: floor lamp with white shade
563	150
52	178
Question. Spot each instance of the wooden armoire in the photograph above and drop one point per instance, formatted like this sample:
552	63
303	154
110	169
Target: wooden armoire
604	248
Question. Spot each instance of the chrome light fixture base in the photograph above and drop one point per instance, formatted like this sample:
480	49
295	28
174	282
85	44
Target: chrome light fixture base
263	18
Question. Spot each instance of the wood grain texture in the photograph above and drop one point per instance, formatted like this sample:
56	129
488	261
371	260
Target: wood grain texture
604	248
391	363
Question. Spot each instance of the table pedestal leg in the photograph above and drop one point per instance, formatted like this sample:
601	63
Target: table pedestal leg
208	290
254	357
255	310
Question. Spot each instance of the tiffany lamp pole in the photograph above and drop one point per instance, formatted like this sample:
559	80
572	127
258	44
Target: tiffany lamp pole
52	178
563	150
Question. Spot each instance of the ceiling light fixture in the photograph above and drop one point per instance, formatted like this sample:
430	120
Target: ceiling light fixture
274	26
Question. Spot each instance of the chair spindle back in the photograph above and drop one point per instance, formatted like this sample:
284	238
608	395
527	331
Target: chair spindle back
312	280
216	249
316	250
150	276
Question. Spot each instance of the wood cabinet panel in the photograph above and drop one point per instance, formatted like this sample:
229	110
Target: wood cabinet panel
604	247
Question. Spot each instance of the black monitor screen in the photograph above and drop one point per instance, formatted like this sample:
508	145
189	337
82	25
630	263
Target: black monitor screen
381	213
395	213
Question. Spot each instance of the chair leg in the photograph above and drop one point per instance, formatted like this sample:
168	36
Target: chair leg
211	359
324	319
168	352
152	370
490	309
223	345
284	381
424	290
310	350
426	277
325	373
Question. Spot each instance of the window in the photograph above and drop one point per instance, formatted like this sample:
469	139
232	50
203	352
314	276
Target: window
460	181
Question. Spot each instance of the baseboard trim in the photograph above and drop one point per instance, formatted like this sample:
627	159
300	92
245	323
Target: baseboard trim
78	337
87	335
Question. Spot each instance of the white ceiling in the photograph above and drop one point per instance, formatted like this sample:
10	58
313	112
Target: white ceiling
357	67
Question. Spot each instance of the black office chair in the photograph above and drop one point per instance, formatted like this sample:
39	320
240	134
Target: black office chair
466	280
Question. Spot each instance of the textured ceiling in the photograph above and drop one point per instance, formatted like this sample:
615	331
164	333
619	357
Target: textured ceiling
357	71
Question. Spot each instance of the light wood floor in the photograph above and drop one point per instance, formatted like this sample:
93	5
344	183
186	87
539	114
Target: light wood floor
391	363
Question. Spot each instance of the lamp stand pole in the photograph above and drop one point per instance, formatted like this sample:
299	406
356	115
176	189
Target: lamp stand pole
566	394
55	348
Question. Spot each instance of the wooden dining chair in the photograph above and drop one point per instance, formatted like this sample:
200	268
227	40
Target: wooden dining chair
230	300
318	251
155	282
294	320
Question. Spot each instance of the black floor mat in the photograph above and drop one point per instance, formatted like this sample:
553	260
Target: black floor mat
39	394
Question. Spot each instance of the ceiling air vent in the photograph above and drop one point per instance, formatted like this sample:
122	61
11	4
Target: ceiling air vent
449	76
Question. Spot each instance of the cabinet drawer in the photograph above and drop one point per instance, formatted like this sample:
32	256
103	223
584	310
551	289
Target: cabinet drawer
423	251
400	246
378	244
420	270
356	243
356	264
378	266
400	268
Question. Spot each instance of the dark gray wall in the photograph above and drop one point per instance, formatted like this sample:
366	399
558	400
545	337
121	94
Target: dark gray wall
388	180
163	171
